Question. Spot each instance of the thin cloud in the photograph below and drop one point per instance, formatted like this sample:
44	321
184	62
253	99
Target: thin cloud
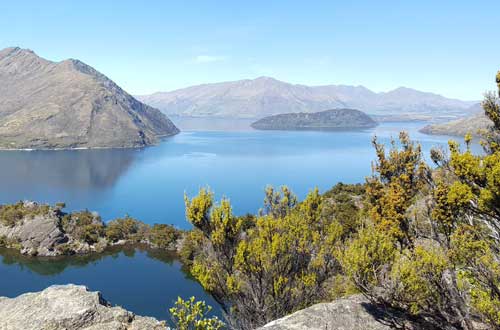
208	59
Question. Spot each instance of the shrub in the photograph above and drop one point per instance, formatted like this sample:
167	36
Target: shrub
192	315
163	236
123	228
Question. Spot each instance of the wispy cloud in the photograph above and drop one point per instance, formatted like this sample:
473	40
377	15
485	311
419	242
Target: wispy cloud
209	59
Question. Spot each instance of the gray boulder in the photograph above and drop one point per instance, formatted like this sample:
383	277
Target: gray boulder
37	235
69	307
352	313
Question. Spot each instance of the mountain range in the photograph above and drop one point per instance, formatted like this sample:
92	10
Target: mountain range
266	96
68	104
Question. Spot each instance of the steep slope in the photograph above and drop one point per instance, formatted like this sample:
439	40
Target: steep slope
266	96
69	104
324	120
459	127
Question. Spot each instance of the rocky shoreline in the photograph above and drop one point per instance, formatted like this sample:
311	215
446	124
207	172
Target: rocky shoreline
46	231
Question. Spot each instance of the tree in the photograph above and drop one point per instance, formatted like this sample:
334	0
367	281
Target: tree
430	246
262	268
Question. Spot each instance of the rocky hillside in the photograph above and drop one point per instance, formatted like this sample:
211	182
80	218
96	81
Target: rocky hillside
459	127
45	105
266	96
69	307
324	120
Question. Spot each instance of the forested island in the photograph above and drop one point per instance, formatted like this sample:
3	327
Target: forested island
336	119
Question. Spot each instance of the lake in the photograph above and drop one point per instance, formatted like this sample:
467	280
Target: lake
149	184
144	281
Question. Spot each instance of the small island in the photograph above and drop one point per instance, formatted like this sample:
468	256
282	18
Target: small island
336	119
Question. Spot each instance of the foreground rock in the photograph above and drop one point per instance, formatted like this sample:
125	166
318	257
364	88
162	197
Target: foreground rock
352	313
336	119
69	307
68	104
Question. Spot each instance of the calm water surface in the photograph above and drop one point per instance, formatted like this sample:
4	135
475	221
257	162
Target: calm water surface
143	281
149	184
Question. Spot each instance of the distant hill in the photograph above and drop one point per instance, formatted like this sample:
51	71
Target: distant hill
69	104
459	127
266	96
324	120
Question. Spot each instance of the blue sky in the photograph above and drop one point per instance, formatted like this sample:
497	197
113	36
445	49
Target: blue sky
443	46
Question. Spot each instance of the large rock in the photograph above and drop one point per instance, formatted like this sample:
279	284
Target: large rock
69	307
37	235
352	313
68	104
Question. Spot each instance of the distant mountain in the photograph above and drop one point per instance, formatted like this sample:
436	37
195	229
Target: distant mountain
324	120
266	96
460	127
69	104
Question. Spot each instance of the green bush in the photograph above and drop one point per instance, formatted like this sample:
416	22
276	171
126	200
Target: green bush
84	226
124	228
163	236
192	315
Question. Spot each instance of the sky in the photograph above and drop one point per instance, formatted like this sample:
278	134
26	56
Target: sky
443	46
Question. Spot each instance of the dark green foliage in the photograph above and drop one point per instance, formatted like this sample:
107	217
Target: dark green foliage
357	189
83	225
163	236
123	228
343	202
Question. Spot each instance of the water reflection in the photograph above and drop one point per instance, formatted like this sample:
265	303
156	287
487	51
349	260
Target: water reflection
150	183
76	169
141	280
48	266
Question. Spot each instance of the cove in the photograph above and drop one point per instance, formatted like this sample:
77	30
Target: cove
144	281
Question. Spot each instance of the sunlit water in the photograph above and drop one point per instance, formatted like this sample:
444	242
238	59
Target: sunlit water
150	183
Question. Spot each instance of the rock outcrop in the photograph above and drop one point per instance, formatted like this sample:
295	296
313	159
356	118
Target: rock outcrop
68	104
69	307
45	231
36	229
335	119
352	313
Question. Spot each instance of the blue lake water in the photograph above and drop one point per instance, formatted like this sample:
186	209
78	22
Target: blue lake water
149	184
143	281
